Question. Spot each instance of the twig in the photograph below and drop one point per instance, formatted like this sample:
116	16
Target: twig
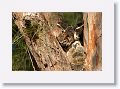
31	59
17	39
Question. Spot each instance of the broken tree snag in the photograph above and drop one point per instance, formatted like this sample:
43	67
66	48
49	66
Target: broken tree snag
40	37
93	40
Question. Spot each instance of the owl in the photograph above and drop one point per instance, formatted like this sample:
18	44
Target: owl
76	56
66	38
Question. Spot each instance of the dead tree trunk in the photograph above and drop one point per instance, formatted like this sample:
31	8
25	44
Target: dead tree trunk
39	31
93	40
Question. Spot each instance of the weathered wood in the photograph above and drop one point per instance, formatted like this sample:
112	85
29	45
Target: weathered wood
93	40
45	48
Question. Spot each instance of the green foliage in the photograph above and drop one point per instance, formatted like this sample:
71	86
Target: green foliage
72	18
31	27
20	56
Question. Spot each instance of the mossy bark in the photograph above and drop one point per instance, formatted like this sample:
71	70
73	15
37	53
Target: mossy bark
43	45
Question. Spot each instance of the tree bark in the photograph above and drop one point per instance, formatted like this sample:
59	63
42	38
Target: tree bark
43	44
93	40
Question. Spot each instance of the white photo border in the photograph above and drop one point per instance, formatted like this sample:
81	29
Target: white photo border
104	76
